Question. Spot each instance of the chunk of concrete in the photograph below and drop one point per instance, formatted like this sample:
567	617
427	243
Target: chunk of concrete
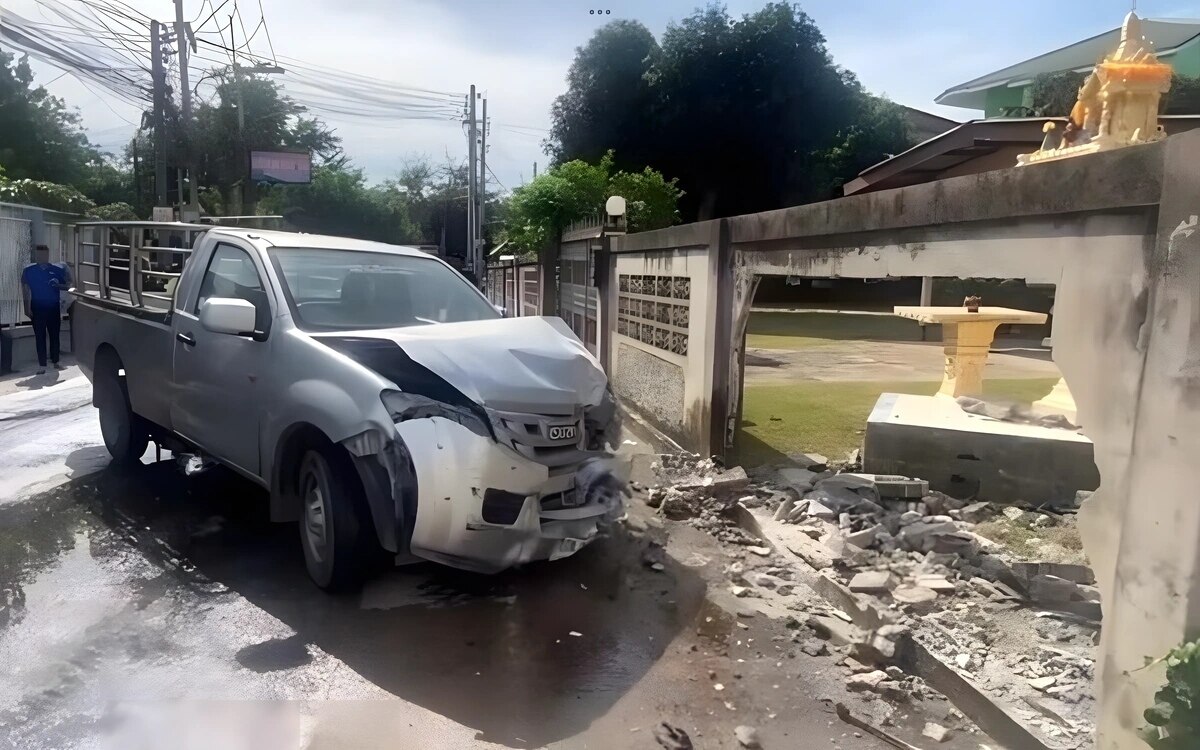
866	680
912	594
1013	513
1076	573
866	537
909	517
917	536
817	509
935	732
892	485
800	480
873	582
1049	589
785	508
840	632
936	583
1041	683
976	512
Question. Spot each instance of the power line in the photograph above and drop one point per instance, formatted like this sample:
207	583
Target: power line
498	182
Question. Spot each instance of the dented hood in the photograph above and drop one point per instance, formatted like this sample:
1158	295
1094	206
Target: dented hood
520	364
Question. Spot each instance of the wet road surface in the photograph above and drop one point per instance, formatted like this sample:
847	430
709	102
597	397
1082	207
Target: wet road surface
143	609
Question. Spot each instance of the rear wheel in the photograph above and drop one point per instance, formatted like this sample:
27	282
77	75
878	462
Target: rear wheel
332	532
125	433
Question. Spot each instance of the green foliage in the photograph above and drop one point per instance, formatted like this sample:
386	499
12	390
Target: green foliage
537	212
1055	94
880	129
114	212
1184	96
42	138
46	195
268	121
1174	719
749	114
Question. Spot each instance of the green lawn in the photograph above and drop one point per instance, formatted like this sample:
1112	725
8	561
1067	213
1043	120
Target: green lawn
830	417
786	330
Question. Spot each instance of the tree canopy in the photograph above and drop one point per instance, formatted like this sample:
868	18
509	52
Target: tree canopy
749	114
538	211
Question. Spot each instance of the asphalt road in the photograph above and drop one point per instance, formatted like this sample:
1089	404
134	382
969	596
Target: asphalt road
141	609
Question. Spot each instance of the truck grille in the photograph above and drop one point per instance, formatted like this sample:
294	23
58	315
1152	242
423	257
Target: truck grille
553	440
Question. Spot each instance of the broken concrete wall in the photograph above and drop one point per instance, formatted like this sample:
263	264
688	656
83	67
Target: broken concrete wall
1117	234
663	289
1138	390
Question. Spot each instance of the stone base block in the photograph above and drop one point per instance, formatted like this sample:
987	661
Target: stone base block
974	456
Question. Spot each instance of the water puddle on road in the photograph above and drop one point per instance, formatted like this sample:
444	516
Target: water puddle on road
525	658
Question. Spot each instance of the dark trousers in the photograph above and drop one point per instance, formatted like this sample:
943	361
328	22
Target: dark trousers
46	323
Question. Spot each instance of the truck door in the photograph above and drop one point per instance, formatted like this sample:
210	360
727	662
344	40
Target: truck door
220	378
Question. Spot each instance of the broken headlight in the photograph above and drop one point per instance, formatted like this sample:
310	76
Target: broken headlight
403	406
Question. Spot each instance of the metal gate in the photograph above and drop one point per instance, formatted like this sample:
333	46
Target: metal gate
578	296
16	252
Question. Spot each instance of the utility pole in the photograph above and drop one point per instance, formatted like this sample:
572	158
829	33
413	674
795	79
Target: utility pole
471	190
185	93
482	188
160	135
535	170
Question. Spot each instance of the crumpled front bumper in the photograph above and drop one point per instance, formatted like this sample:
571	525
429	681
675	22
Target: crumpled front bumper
455	469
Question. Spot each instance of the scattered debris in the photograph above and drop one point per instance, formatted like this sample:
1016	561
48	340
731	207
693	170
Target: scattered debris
866	680
845	715
671	737
747	736
873	582
935	732
575	634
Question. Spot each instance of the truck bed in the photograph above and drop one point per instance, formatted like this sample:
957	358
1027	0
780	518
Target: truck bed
142	339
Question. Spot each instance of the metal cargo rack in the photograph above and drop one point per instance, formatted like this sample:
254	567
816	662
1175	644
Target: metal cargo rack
133	263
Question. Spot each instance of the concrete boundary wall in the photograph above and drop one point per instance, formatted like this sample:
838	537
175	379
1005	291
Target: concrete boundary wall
1118	234
661	363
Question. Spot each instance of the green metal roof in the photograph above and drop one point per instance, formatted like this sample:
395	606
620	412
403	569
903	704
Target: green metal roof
1165	34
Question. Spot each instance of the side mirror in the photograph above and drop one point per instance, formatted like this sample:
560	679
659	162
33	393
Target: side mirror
227	315
501	309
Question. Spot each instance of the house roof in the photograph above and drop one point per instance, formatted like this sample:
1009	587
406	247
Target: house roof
971	140
1166	35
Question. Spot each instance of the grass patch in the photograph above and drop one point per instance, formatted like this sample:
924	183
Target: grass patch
801	330
830	417
1050	544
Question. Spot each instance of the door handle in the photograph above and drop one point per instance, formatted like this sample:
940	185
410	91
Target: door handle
186	338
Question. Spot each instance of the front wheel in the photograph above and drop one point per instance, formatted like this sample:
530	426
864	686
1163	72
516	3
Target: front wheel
125	434
331	531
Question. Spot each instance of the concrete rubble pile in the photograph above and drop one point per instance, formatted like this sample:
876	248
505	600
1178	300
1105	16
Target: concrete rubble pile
1021	632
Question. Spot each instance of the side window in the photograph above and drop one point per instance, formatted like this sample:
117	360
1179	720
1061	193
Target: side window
231	273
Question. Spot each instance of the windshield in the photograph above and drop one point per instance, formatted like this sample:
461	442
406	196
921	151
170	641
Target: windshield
345	290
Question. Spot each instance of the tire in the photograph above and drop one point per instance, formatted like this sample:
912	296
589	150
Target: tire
332	531
125	433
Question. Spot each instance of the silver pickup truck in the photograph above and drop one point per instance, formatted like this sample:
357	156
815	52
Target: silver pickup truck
377	395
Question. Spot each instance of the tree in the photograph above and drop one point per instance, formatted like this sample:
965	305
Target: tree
608	96
749	114
42	138
1054	94
269	121
878	130
339	201
536	213
1184	96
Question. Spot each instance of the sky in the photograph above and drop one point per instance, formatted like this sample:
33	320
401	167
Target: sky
518	52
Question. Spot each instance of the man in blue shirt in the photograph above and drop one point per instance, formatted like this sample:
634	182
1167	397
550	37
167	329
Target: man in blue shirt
40	285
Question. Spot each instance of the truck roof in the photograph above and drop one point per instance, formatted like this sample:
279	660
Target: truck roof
284	240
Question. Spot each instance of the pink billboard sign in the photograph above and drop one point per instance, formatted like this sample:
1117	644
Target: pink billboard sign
281	167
